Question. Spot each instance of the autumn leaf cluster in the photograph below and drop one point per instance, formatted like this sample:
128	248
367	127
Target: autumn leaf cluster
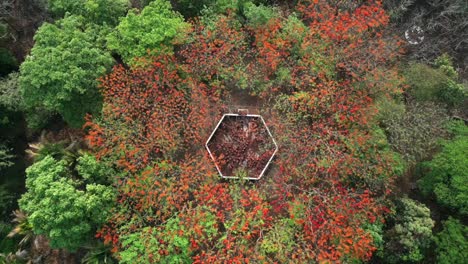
316	70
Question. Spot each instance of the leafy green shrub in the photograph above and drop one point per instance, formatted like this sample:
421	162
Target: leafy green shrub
379	140
294	29
411	234
97	11
5	157
453	93
10	96
447	175
134	246
61	72
259	15
137	243
413	132
445	64
64	209
435	84
424	81
38	118
92	170
299	107
154	29
376	231
452	244
389	109
279	240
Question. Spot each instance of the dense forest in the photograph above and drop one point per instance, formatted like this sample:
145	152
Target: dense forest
354	148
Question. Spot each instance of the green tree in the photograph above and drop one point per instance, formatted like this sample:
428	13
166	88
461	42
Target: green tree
10	96
411	234
447	177
437	84
279	240
96	11
259	15
452	244
413	130
154	29
63	207
5	157
12	103
176	243
92	170
61	72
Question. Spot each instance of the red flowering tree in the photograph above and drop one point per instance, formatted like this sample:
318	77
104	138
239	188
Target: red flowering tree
149	113
318	74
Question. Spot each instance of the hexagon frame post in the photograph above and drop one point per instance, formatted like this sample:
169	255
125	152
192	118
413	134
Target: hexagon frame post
216	129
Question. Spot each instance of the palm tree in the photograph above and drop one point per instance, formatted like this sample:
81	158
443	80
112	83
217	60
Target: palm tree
98	253
22	227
